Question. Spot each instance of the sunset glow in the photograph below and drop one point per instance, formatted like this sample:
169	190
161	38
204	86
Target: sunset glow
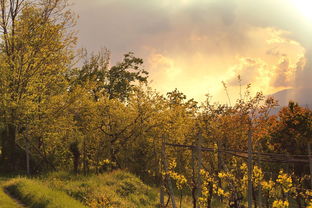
156	103
194	45
304	6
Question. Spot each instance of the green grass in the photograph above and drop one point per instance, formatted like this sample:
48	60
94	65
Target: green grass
34	194
117	189
5	200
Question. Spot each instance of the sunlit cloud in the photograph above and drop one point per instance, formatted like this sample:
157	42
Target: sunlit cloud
193	45
304	7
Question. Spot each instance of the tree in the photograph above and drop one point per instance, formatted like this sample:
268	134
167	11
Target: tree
123	75
105	116
291	134
292	129
118	81
36	51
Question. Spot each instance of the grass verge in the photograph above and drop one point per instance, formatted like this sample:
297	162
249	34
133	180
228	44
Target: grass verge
117	189
36	195
5	200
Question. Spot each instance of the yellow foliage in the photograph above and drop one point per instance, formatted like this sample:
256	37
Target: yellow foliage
280	204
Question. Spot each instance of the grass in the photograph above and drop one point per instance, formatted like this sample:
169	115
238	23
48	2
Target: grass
117	189
5	200
34	194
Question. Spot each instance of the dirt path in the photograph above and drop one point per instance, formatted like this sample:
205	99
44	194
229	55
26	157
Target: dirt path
5	200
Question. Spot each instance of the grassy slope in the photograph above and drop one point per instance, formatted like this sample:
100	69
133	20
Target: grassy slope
36	195
5	200
117	189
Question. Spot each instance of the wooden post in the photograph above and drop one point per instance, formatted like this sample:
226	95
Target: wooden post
27	159
249	166
171	194
288	171
310	162
259	185
162	185
194	188
199	167
84	157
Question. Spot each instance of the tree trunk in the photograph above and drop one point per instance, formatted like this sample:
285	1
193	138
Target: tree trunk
167	177
8	148
76	155
298	200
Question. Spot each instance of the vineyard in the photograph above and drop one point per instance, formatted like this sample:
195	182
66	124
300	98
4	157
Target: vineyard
77	130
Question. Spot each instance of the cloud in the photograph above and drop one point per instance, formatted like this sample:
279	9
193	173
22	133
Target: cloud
195	44
250	70
303	74
283	74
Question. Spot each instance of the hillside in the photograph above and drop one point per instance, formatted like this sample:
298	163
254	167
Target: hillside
63	190
302	95
115	189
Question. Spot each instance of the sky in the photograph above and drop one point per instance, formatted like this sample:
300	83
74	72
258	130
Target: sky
194	45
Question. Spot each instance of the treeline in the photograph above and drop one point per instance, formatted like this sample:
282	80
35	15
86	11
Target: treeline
99	117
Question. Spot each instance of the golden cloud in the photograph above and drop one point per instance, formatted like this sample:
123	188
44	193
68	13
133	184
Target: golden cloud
269	64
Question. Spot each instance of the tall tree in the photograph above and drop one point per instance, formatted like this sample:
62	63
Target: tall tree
36	51
117	81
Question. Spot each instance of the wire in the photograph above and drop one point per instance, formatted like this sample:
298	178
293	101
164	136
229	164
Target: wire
273	157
